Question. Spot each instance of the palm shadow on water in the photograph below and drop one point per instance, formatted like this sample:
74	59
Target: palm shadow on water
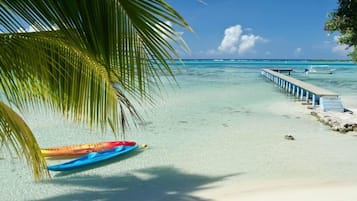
159	184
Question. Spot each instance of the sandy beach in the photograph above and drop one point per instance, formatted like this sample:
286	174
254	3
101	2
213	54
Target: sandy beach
287	190
195	86
219	137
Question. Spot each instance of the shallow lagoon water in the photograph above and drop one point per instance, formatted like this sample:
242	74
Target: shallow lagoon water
223	126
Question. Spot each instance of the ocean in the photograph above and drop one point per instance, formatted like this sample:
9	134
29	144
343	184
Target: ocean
221	125
343	80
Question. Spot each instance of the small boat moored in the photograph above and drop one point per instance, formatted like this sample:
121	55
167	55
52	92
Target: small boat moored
313	70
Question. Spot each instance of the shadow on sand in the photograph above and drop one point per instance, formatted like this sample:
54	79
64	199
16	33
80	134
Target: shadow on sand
149	184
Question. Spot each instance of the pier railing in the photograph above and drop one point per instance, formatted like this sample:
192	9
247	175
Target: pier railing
327	100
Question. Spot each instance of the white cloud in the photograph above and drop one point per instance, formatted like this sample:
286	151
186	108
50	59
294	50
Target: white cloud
165	33
203	2
297	51
248	29
211	52
339	48
28	29
31	29
168	23
236	42
21	30
248	42
230	42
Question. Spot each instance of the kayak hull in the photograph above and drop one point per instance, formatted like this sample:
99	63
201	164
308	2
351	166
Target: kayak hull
82	149
92	158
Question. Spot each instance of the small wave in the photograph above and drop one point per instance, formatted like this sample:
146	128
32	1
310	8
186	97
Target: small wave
319	66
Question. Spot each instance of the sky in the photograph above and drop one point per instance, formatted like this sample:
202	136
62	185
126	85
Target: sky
259	29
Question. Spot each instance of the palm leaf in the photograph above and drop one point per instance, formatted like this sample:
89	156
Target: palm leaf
87	56
128	37
36	68
17	137
41	68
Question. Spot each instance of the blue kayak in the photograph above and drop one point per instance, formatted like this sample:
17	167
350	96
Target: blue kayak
92	158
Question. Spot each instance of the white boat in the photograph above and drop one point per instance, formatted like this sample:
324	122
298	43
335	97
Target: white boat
312	70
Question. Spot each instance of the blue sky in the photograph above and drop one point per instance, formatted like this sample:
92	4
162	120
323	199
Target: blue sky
259	29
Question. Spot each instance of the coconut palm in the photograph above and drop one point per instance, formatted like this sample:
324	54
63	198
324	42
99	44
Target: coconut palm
86	59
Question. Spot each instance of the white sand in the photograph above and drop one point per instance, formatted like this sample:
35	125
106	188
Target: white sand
286	191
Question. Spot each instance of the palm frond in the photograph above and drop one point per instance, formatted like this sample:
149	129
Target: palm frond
42	67
37	68
17	137
129	38
89	58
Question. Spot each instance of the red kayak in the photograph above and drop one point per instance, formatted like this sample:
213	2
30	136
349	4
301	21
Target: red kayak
81	149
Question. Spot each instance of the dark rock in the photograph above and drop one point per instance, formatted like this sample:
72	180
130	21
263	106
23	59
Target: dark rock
289	137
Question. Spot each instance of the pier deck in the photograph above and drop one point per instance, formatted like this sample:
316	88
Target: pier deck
316	95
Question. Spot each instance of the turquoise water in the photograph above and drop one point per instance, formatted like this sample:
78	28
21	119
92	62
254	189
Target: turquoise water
223	125
225	118
343	80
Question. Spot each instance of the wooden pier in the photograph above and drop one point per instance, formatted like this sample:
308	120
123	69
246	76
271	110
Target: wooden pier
327	100
282	70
